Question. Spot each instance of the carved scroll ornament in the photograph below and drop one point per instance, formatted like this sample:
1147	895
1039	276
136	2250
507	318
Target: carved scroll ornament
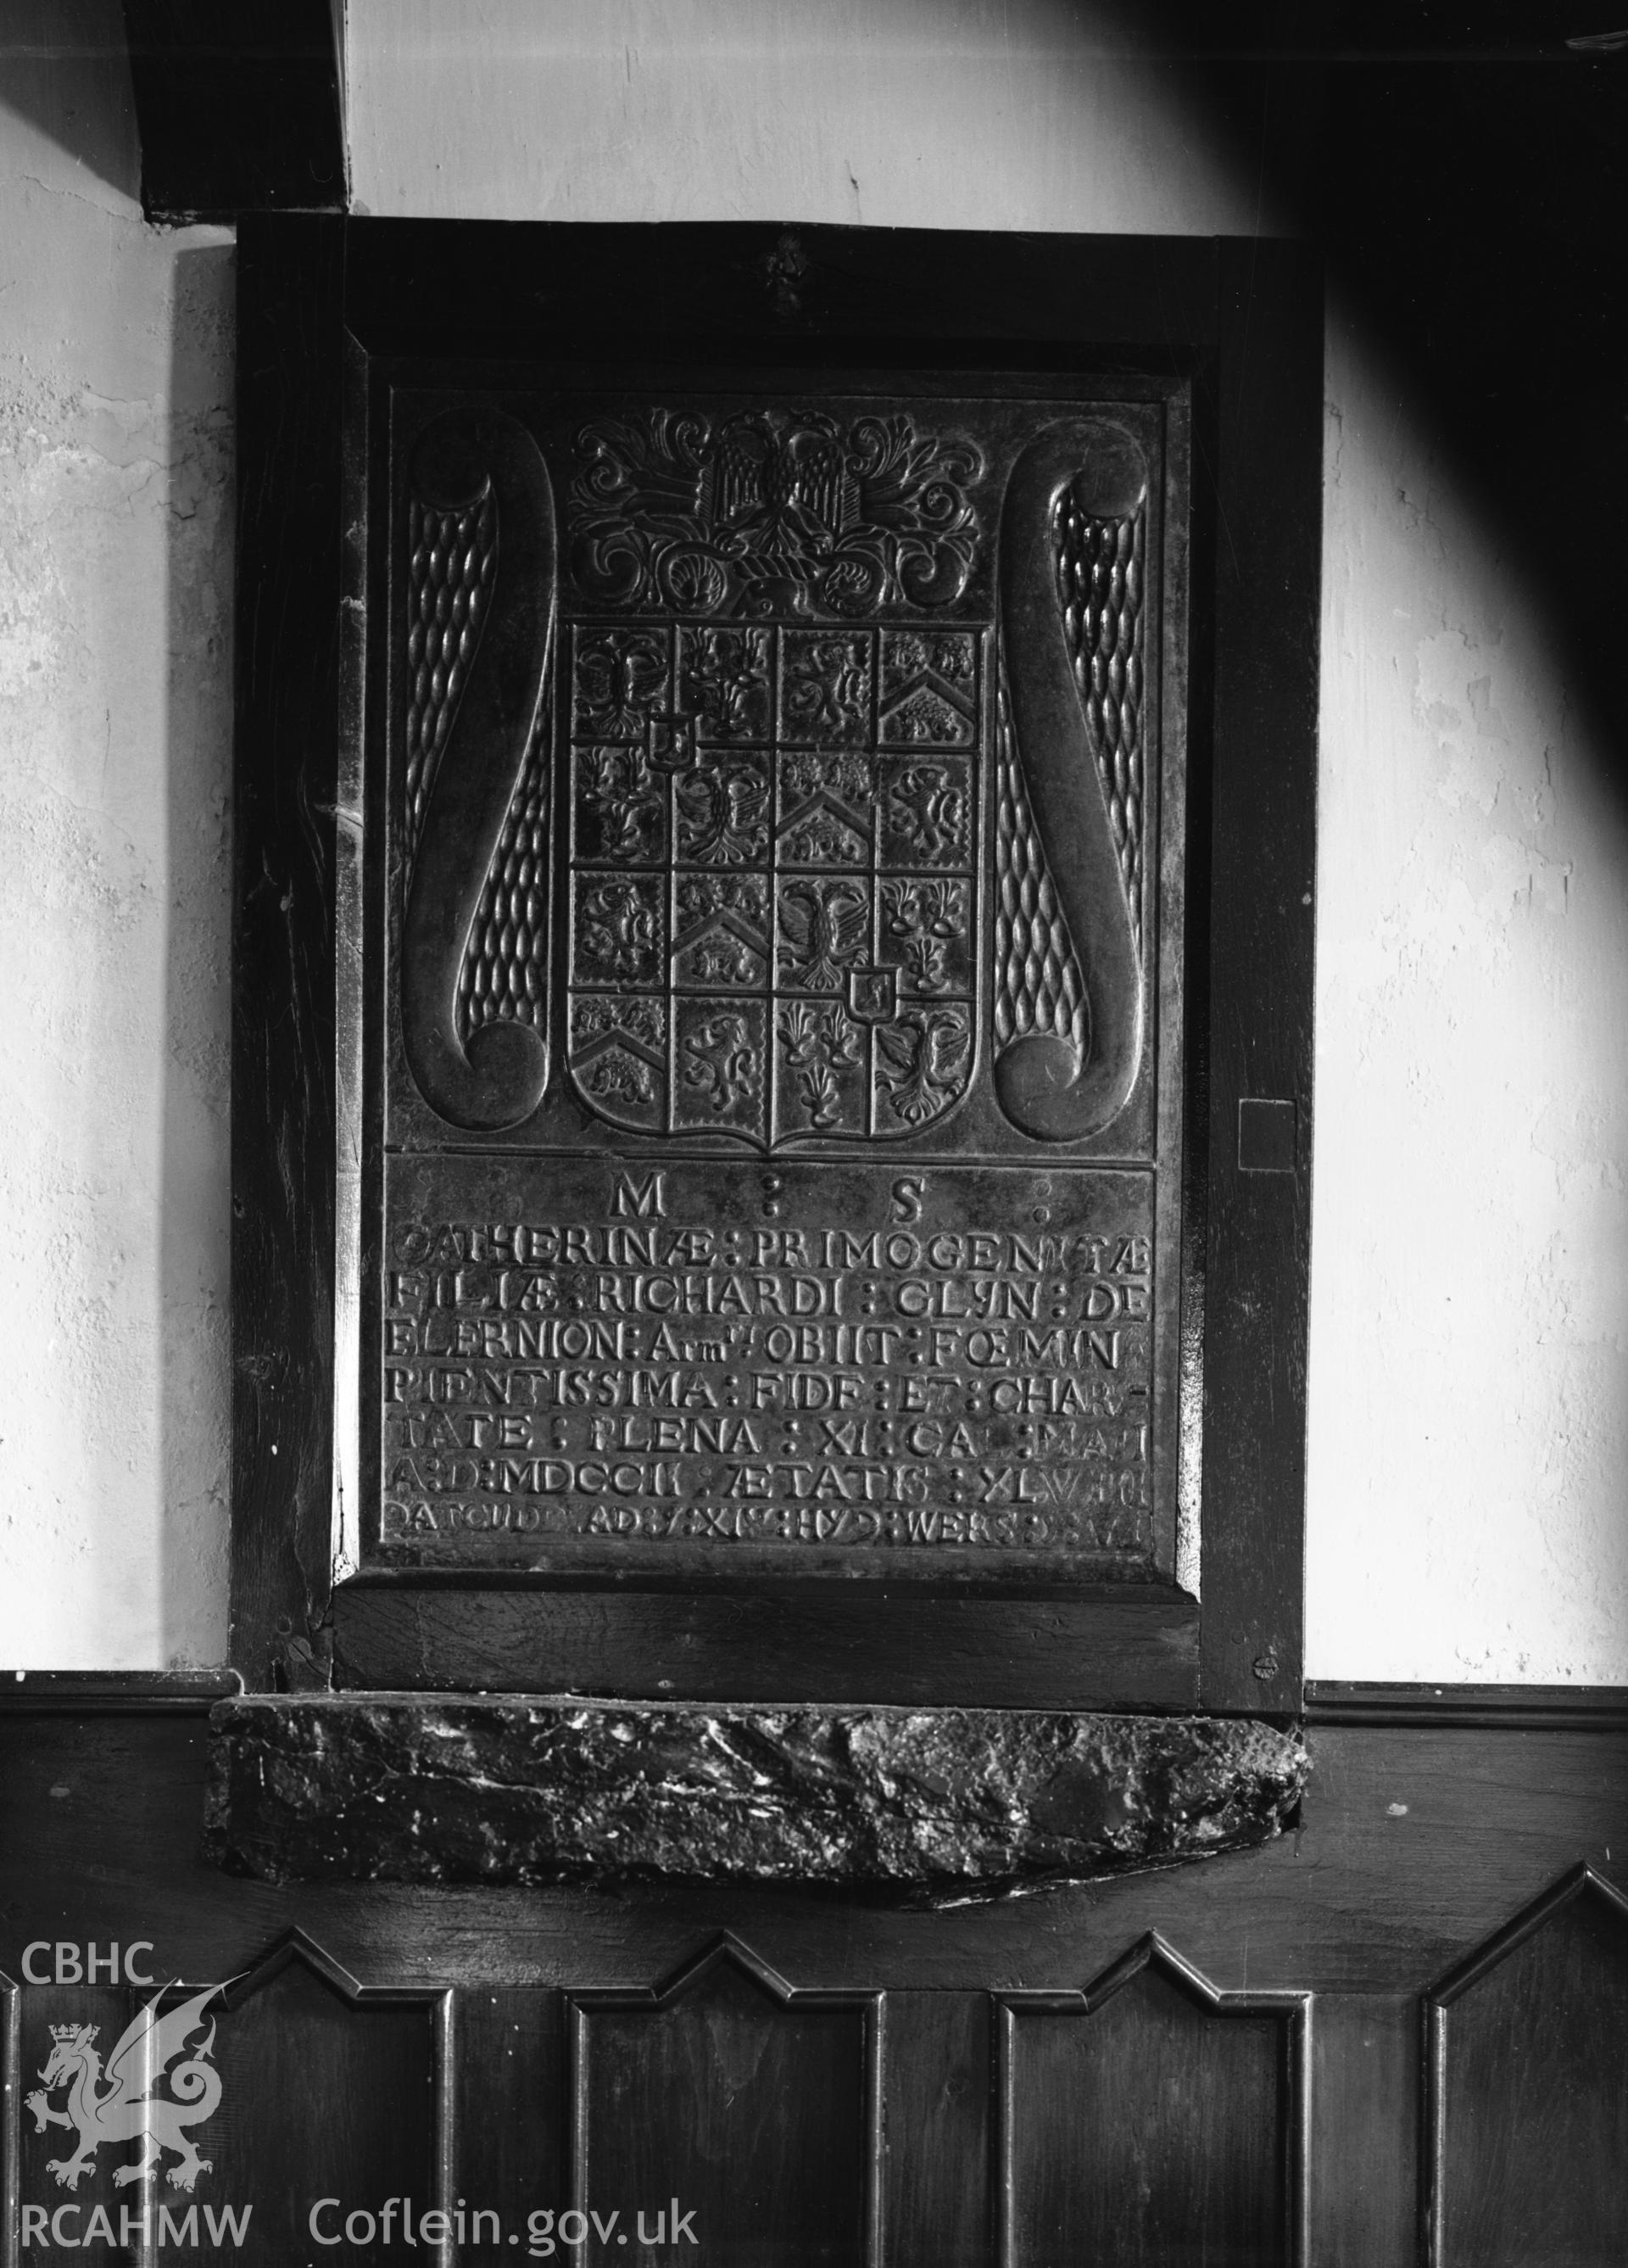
481	645
1069	987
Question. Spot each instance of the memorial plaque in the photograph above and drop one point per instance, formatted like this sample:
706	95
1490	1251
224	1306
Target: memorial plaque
774	933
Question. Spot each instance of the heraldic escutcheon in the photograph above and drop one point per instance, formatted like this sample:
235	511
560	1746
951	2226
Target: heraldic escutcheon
779	912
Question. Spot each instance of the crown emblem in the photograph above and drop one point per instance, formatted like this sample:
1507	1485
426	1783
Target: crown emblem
124	2102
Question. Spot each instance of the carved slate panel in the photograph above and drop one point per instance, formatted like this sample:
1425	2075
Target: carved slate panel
777	841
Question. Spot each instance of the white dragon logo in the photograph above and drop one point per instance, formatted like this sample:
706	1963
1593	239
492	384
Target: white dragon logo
127	2111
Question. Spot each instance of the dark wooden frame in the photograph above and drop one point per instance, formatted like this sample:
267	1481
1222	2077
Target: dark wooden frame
322	299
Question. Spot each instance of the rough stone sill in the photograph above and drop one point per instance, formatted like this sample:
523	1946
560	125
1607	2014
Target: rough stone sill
925	1803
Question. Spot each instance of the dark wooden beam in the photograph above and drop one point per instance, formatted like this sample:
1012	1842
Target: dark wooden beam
240	107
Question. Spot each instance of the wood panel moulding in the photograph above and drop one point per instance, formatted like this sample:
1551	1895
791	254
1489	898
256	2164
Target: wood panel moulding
729	2038
1528	2083
1150	2118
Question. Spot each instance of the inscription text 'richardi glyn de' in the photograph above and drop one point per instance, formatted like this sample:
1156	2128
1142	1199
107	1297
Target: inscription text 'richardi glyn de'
778	1162
663	1374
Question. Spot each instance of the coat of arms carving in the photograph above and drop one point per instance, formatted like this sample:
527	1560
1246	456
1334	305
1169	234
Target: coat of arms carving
787	787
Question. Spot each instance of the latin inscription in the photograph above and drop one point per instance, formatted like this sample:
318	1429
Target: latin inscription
927	1378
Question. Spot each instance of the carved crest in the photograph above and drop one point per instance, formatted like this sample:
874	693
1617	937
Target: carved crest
771	511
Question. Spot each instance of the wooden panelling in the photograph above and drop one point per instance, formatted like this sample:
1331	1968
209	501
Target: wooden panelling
1150	2120
510	2100
39	2149
837	2067
1512	1708
1404	1861
326	2090
11	2124
1362	2155
115	1693
1529	2067
290	2084
727	2095
939	2103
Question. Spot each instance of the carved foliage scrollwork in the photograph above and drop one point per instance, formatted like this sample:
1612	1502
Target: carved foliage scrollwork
772	512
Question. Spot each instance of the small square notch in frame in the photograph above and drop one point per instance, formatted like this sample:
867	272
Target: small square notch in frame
1267	1135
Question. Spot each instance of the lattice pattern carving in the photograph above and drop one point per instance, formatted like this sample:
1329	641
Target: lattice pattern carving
1039	986
1099	590
454	558
503	977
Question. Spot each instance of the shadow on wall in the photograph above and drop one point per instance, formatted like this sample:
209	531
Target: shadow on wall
64	68
1468	1385
1468	1414
1466	180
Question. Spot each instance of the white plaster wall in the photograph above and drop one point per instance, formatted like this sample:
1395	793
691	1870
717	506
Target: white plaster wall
115	723
891	114
1469	1400
1469	1424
